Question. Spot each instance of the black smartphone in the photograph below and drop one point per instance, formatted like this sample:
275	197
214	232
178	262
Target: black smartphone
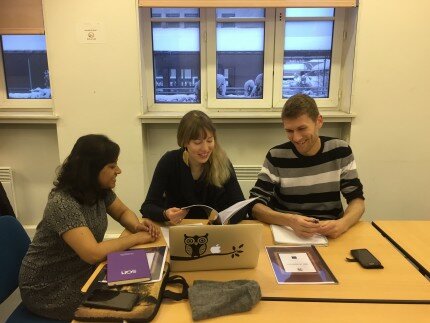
112	299
366	259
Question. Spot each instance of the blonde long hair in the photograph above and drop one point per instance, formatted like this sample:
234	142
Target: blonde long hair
194	125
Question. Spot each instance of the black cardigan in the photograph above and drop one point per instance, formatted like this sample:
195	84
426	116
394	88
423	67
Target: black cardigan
5	207
173	186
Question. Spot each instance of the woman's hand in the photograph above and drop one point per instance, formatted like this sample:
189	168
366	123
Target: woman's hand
175	215
143	237
148	226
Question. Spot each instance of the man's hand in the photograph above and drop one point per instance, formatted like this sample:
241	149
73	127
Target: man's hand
150	227
353	213
332	228
175	215
304	226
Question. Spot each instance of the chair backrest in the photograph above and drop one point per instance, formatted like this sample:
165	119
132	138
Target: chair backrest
14	243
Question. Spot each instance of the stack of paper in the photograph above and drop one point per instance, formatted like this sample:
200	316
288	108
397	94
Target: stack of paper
286	235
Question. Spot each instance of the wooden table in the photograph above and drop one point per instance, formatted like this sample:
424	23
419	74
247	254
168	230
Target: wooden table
397	293
397	282
305	312
410	237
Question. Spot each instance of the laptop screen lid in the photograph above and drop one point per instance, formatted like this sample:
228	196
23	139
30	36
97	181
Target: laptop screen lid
213	247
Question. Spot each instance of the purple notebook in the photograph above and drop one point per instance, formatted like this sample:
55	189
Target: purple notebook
126	267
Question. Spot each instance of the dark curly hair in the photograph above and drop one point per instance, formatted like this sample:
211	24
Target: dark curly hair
78	175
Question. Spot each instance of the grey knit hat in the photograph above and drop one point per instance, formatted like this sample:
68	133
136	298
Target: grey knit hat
213	298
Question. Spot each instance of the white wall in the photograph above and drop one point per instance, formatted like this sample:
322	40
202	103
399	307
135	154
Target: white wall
32	152
391	135
96	86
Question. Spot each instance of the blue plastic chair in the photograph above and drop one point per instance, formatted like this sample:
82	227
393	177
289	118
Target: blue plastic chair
14	243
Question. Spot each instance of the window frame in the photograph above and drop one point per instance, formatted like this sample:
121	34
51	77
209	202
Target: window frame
148	66
332	102
20	104
274	36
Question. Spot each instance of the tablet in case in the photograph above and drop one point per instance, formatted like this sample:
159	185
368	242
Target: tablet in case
112	299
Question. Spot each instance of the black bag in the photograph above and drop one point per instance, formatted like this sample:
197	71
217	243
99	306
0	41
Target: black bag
150	298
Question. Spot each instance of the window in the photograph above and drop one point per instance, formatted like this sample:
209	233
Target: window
25	66
241	58
308	54
176	55
239	54
237	57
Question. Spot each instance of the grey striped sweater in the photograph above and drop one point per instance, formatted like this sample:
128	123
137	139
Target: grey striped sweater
309	185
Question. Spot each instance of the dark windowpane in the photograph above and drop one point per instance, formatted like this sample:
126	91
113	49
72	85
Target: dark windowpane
189	25
176	52
191	15
226	24
26	67
240	13
175	12
171	25
307	58
240	60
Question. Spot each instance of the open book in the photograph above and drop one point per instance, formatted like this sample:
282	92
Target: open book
286	235
222	217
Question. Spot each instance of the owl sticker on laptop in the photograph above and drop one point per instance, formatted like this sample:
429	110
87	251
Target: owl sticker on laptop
195	246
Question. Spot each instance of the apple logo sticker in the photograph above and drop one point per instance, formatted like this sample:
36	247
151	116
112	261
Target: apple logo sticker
216	248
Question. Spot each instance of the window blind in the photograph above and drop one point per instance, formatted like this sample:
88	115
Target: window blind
21	17
248	3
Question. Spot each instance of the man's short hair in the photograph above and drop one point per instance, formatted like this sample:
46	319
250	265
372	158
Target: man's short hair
298	105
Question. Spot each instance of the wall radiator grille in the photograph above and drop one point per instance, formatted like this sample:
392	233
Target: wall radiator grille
6	178
247	172
247	176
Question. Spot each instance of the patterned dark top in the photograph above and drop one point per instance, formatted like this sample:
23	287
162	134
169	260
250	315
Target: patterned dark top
52	274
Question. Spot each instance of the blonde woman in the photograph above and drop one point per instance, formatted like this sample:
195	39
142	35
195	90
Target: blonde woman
197	173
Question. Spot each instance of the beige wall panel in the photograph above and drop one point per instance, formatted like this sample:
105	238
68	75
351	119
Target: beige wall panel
32	152
96	84
391	135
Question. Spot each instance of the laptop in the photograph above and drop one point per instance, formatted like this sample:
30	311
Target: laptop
213	247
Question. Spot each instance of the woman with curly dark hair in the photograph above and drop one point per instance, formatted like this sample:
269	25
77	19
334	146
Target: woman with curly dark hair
69	239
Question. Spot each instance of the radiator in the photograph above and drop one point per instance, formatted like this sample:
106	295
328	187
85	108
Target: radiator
6	179
247	176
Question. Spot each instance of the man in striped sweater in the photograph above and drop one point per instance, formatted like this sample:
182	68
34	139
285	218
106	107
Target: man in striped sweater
301	180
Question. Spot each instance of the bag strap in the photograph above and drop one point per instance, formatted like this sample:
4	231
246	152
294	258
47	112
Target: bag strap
177	296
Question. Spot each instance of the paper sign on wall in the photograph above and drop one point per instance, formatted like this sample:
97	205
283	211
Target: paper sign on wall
91	33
